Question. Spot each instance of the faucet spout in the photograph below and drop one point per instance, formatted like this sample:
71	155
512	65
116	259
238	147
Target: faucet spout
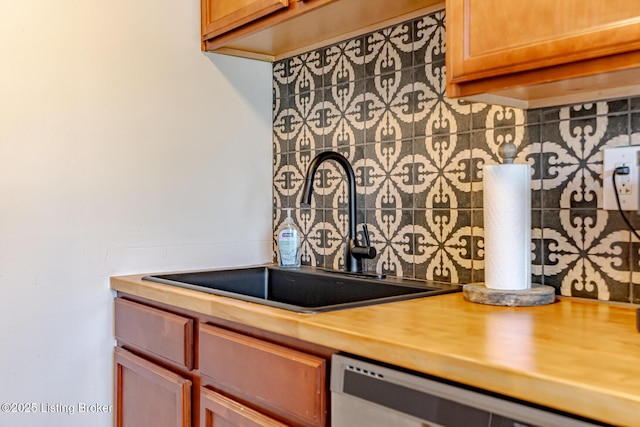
354	253
351	181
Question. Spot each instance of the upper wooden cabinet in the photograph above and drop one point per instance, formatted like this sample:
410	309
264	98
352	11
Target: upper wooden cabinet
542	52
274	29
221	16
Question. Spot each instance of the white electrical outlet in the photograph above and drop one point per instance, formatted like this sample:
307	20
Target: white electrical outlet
627	184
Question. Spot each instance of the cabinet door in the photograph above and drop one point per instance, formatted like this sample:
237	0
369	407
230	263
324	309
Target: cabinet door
490	38
147	395
220	16
219	411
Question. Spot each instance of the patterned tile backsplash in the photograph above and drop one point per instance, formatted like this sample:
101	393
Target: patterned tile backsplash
379	99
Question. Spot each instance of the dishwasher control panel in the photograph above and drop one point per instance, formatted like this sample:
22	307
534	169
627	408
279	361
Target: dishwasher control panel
366	394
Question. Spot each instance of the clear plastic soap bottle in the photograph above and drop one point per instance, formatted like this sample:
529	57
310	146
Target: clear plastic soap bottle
288	239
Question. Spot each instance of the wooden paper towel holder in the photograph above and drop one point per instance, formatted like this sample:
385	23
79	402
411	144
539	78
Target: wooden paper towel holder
536	295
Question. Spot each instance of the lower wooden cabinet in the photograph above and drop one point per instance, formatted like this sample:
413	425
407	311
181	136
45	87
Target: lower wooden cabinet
164	335
177	368
218	411
147	395
278	380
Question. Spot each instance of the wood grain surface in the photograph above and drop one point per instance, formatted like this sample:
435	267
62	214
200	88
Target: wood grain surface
578	356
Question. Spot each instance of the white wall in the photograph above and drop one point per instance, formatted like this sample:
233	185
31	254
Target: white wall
123	149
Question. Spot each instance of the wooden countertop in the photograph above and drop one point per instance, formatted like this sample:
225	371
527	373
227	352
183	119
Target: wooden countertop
578	356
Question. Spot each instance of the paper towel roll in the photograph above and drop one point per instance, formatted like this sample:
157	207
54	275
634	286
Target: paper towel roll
507	226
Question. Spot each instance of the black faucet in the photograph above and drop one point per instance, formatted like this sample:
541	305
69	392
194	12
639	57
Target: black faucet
354	253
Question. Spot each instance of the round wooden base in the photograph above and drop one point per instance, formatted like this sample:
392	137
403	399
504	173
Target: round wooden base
537	295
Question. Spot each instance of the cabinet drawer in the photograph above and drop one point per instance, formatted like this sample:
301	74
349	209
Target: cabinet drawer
217	410
280	380
154	331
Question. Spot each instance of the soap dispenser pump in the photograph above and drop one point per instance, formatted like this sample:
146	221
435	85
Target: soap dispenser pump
288	240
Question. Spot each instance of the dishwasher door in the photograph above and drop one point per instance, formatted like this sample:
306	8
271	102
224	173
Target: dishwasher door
365	394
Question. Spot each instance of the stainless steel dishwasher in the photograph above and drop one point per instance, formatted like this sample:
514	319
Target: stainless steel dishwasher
366	394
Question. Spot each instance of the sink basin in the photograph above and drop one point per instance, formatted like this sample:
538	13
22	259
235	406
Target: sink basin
304	289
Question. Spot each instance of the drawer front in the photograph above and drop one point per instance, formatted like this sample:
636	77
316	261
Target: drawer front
217	410
278	379
154	331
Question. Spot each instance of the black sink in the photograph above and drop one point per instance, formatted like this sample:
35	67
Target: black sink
305	289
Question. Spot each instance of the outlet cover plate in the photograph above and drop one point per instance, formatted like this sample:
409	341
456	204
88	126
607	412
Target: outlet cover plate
627	184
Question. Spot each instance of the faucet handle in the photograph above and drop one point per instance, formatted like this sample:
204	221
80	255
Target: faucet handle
365	234
366	250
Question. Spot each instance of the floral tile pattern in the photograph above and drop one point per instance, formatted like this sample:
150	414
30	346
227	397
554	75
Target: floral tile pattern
380	100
